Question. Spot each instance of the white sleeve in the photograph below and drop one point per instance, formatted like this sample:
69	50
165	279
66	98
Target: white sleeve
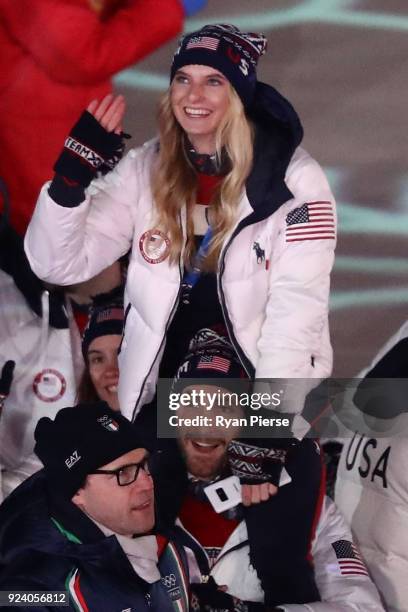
294	339
70	245
339	592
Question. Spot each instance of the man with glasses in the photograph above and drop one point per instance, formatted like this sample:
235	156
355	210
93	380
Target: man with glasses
83	525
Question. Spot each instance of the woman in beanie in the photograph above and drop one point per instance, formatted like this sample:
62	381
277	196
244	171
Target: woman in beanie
230	222
100	345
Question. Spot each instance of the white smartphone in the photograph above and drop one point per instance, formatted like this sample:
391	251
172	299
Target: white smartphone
224	494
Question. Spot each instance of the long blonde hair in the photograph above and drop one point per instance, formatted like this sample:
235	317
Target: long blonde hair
174	180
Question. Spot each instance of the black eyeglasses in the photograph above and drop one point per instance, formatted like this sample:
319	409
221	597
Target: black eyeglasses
126	474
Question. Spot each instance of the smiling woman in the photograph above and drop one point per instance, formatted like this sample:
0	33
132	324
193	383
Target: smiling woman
100	345
200	97
218	213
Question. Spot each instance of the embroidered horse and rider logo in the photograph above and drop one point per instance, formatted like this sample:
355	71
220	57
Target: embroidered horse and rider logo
259	252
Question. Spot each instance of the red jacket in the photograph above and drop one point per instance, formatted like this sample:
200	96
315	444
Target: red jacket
55	57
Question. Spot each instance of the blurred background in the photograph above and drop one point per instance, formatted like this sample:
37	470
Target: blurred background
343	65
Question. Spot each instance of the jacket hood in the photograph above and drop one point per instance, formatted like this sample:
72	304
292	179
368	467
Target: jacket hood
278	132
275	115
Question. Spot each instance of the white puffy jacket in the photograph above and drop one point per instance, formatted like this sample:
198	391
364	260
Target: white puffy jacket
48	367
339	591
276	308
372	492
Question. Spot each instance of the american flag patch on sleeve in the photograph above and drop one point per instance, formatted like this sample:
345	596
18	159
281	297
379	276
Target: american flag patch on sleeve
349	559
311	221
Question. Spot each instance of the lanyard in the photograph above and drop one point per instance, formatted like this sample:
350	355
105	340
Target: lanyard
191	276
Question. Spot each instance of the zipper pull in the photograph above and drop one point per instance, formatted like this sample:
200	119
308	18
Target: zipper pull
148	599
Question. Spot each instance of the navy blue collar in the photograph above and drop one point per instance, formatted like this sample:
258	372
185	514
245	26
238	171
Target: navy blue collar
205	163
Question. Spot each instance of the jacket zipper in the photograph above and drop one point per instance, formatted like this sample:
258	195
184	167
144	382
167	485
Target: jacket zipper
124	326
247	365
230	550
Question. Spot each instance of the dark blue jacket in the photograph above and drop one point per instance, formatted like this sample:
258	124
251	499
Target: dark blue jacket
53	546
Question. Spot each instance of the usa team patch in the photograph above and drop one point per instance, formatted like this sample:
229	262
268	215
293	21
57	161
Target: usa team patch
154	246
311	221
49	385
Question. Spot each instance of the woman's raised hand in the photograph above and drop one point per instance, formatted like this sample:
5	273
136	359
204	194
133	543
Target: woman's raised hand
95	142
109	112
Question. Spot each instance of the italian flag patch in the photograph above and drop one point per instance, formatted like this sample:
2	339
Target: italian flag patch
73	587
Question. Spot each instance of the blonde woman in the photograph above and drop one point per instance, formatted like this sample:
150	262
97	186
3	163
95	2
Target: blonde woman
231	227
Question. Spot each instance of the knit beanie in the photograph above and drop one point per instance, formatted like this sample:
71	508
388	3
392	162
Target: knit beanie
106	317
224	47
212	357
82	439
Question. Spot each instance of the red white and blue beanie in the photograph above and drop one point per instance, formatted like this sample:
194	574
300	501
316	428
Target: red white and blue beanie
106	317
210	356
224	47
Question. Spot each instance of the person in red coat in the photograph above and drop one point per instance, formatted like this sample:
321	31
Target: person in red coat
56	56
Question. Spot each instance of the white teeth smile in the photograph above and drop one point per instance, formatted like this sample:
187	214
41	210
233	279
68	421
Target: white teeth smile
205	444
196	112
113	389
